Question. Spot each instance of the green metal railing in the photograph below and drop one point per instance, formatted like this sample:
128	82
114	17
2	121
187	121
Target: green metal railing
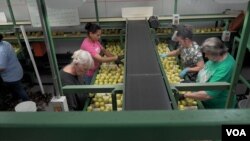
175	6
123	126
50	47
239	58
14	23
128	125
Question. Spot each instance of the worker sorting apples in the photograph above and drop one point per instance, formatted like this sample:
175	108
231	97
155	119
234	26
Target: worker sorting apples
189	51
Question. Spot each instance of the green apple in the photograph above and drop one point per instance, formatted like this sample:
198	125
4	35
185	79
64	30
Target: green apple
97	104
119	103
90	109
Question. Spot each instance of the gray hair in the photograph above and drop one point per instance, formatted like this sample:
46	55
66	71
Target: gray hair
214	46
83	57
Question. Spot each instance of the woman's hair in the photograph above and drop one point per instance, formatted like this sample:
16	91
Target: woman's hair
91	27
1	37
214	46
83	57
184	31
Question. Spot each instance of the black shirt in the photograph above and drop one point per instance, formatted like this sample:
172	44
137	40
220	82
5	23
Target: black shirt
75	100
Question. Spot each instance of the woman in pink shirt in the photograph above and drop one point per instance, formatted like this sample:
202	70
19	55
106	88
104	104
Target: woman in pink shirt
93	46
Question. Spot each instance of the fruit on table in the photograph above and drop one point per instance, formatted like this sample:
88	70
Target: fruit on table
187	103
164	30
103	102
109	74
114	48
171	68
207	29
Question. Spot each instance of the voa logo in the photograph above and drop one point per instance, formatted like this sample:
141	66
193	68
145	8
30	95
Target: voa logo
236	132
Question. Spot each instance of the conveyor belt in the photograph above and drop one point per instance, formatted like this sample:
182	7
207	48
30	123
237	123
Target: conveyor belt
141	58
144	86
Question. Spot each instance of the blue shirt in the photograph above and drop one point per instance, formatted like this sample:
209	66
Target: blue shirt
8	61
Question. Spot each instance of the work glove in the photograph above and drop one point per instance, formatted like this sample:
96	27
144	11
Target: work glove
178	96
120	57
119	60
163	55
183	72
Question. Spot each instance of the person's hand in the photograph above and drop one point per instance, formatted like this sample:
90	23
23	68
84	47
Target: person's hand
119	60
120	57
178	96
163	55
183	72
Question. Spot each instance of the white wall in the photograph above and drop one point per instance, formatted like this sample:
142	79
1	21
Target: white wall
112	8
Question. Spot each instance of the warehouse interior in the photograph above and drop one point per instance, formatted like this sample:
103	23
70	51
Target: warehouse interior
135	99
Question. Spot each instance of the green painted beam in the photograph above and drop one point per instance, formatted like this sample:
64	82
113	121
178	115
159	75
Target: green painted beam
248	43
6	28
201	86
92	88
96	12
175	6
198	17
244	81
239	58
50	46
122	126
14	23
235	45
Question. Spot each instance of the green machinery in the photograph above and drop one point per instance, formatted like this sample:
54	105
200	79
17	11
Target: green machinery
128	125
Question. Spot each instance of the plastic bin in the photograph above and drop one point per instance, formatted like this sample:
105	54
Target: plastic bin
27	106
39	49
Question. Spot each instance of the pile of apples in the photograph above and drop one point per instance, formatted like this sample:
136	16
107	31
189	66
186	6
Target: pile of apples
109	74
114	48
164	30
187	103
208	29
9	35
34	34
111	31
171	68
103	102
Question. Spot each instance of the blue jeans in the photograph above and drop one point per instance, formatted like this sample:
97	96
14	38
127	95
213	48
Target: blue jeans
87	80
17	90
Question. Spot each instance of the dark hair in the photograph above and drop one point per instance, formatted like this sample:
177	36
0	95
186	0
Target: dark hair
184	32
1	37
214	46
92	27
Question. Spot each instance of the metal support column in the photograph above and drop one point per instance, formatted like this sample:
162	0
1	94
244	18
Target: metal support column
96	12
239	58
175	6
14	22
50	46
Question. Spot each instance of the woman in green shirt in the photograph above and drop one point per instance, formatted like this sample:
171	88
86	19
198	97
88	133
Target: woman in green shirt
218	68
